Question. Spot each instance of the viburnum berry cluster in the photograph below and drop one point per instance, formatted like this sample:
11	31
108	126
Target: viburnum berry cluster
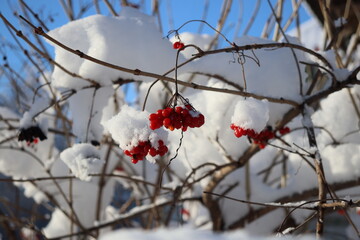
31	135
176	118
178	45
284	130
130	129
140	151
261	139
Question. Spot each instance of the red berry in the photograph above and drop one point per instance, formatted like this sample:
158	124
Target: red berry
147	148
154	125
119	168
262	145
134	161
178	109
136	150
185	212
284	130
188	121
167	122
251	133
177	124
176	45
271	135
127	152
201	120
239	132
152	152
341	212
162	150
184	112
153	117
167	112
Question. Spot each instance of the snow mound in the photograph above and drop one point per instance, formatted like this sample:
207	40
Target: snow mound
251	113
130	40
83	159
186	232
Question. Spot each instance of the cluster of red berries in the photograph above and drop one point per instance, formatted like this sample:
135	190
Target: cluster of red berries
176	118
178	45
342	211
284	130
261	138
34	141
139	152
31	135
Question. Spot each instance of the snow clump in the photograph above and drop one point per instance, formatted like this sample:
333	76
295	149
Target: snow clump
251	113
83	159
130	127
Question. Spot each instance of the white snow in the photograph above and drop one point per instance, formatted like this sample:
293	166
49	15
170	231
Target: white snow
86	108
82	159
312	34
58	224
37	107
130	40
200	40
251	113
188	232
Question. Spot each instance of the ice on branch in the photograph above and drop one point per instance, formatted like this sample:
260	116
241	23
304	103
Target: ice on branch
251	113
83	159
130	129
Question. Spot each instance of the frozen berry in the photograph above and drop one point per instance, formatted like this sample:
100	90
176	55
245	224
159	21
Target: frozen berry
341	212
167	112
134	161
139	152
178	110
284	130
167	122
152	152
259	138
262	145
178	117
178	45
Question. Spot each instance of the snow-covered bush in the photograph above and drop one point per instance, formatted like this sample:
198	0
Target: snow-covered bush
260	135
